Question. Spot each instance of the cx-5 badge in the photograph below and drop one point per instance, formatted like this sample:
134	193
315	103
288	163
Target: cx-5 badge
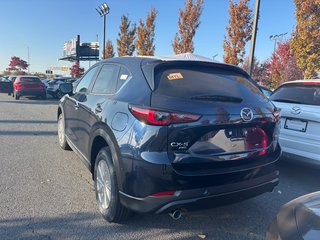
246	114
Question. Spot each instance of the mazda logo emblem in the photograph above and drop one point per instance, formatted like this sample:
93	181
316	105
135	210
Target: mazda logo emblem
296	110
246	114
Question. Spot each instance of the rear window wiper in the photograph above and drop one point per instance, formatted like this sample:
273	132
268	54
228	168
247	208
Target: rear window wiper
286	100
218	98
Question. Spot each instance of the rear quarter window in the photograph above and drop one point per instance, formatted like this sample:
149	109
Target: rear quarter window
298	93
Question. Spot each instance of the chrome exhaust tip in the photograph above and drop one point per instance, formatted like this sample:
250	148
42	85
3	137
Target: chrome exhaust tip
176	214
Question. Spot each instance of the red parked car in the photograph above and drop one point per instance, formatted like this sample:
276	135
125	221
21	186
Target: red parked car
28	86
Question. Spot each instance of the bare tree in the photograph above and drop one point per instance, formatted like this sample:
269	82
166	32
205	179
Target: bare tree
145	35
126	36
189	21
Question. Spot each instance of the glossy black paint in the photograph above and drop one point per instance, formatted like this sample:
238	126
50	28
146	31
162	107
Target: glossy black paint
146	157
299	219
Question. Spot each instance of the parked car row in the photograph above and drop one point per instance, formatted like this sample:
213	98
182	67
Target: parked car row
32	86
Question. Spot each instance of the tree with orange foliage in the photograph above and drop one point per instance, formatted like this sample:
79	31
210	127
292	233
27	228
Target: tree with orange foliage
109	50
126	36
145	35
189	21
306	38
239	32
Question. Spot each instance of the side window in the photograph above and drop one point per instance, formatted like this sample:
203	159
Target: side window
106	80
124	75
84	83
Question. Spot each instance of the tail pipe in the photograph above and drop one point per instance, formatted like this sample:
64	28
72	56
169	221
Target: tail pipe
176	214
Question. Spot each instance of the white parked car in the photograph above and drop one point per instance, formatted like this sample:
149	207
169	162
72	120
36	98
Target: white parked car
300	120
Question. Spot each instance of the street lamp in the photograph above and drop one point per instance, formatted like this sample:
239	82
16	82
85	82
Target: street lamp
28	59
275	39
103	10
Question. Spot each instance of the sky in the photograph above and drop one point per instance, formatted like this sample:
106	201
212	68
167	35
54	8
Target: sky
43	26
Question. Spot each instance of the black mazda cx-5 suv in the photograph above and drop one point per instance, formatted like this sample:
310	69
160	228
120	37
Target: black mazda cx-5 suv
161	135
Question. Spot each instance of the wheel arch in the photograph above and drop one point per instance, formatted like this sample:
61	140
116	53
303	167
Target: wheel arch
102	136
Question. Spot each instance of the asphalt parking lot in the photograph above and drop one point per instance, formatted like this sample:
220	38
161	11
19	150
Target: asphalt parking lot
47	193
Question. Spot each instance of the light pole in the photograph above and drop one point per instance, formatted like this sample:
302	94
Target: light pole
254	35
28	59
275	39
103	10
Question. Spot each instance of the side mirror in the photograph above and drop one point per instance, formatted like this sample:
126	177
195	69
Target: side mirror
66	88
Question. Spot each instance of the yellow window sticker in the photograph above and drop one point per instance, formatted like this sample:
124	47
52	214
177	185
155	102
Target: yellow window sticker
123	76
175	76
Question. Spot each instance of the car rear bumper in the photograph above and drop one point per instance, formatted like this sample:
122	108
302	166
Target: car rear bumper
300	150
202	198
31	92
292	155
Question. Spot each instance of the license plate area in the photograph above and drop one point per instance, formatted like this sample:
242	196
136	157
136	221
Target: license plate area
296	124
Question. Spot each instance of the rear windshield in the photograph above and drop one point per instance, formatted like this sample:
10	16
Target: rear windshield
29	79
198	81
300	94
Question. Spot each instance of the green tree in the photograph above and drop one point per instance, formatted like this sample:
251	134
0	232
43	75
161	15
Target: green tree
305	42
239	32
189	21
126	36
145	35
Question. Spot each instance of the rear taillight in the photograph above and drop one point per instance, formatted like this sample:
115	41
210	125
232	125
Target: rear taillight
18	86
155	117
256	138
276	132
277	114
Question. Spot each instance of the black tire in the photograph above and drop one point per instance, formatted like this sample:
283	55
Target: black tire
114	211
44	97
61	134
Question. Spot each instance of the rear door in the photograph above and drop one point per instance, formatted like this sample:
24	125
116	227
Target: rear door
97	99
236	118
300	112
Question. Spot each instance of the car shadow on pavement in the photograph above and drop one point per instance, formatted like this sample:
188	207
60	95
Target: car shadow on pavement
245	220
92	226
33	100
29	121
28	133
